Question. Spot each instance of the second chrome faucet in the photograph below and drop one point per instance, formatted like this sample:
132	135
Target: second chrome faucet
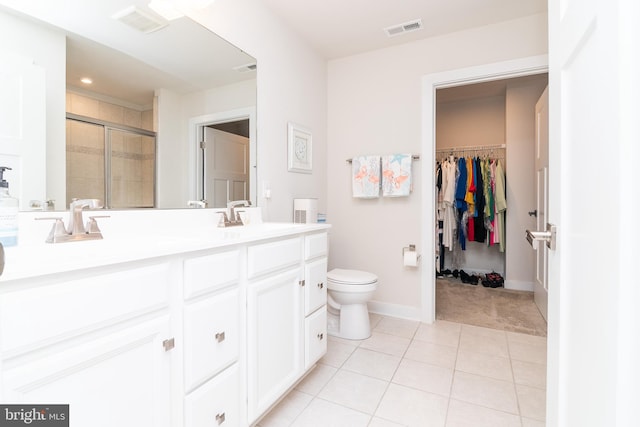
233	217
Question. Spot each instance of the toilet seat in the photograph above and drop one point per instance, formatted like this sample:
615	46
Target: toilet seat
341	276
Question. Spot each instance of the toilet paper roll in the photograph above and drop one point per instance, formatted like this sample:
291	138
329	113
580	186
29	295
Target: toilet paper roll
410	259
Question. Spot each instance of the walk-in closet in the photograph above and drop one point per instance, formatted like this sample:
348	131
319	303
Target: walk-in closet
486	180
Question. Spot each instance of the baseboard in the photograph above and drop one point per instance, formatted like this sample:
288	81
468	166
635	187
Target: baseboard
519	285
394	310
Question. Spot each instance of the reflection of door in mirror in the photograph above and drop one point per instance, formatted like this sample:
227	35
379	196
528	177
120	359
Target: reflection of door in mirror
226	163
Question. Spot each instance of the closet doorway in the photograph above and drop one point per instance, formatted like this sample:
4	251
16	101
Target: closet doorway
490	282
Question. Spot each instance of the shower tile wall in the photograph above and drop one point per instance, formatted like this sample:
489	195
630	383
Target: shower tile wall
132	156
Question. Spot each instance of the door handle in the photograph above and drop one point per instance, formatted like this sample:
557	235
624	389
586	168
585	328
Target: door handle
549	236
533	213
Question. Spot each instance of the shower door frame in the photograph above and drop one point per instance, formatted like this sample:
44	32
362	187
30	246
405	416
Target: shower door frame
107	127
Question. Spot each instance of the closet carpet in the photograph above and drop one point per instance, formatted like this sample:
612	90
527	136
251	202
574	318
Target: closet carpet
497	308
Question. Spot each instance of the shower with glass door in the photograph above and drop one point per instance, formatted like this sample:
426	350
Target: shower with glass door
110	162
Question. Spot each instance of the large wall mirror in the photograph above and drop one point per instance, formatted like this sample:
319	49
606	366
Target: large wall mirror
168	117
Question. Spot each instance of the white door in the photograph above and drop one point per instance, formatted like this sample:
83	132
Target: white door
274	339
127	371
594	325
226	167
542	199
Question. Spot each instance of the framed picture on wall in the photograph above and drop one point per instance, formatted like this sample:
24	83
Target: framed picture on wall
299	148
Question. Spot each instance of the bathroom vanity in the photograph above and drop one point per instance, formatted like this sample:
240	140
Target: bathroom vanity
208	326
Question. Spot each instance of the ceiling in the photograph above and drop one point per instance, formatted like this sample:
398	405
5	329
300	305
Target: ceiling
339	28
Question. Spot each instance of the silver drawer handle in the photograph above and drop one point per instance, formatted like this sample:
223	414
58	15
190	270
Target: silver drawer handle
321	285
220	418
320	336
220	337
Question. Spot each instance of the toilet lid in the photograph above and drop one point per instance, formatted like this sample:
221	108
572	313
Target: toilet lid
353	277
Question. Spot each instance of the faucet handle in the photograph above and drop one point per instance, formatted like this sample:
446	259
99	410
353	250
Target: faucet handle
92	224
57	230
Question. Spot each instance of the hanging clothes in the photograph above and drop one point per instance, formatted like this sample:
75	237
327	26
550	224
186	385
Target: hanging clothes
480	232
449	225
471	202
461	204
501	202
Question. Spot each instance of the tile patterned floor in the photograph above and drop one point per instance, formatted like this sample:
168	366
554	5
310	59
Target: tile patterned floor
413	374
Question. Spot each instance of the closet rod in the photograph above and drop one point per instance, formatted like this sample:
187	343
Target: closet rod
472	148
413	157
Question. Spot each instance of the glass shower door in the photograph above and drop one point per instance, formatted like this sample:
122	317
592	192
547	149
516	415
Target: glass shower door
122	178
131	164
85	161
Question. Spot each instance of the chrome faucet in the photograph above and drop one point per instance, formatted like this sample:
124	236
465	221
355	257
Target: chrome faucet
76	229
233	218
76	223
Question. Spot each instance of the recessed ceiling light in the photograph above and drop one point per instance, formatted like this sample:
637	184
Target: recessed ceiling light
86	80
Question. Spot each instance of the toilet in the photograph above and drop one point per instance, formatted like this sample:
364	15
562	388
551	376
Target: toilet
348	293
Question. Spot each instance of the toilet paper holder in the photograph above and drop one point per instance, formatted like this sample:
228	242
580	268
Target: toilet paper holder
410	248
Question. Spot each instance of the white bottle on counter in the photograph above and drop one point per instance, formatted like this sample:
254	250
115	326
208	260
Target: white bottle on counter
8	213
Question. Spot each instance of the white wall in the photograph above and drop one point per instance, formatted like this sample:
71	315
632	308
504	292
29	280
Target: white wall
47	47
291	88
374	105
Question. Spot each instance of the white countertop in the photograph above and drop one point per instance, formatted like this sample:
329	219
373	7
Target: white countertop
33	257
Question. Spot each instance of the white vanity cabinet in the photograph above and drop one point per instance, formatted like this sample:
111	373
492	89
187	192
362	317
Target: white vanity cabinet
211	326
274	327
315	301
286	312
210	333
95	341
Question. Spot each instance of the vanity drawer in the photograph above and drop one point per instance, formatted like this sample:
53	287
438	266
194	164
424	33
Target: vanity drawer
315	245
315	332
211	337
269	257
315	289
216	403
43	315
209	272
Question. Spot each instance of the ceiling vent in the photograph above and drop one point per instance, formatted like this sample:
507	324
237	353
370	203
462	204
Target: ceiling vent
246	68
396	30
139	20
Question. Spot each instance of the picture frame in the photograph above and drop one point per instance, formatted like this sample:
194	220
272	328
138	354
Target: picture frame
300	149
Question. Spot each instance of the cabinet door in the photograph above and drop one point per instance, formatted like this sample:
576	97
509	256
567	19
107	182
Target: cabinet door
315	289
121	379
216	403
315	337
275	347
211	337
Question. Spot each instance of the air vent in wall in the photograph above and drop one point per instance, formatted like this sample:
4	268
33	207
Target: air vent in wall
396	30
139	20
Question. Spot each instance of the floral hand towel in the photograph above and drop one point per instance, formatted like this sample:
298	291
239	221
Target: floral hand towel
365	173
396	175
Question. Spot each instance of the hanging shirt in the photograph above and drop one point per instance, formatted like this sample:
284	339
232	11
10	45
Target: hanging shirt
480	231
501	203
461	185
